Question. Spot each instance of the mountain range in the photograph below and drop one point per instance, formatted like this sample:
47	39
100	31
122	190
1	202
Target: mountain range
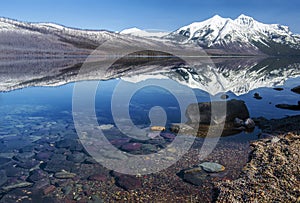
216	35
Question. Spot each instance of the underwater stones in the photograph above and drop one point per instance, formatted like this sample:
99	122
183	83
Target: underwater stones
76	157
153	135
296	89
127	182
18	185
149	148
168	136
202	113
28	164
212	167
56	165
98	177
238	122
37	175
43	156
49	189
195	175
257	96
129	147
64	175
72	144
119	142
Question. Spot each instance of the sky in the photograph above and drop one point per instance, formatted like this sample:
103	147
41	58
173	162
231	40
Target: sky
163	15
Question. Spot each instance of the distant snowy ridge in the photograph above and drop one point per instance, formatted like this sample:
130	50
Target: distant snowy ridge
144	33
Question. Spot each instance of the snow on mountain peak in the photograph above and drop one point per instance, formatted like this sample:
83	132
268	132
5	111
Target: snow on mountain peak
143	33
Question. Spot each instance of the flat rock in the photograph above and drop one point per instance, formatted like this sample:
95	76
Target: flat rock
105	127
76	157
195	176
129	147
64	175
169	136
127	182
58	165
212	167
18	185
98	177
37	175
43	156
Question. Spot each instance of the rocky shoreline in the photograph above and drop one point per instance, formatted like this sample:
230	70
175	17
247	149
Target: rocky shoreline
272	173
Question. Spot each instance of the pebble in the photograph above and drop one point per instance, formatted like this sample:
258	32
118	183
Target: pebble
195	176
49	189
105	127
212	167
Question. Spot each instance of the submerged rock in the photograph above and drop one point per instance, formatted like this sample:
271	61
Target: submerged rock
129	147
3	177
106	127
18	185
64	175
202	113
212	167
195	176
127	182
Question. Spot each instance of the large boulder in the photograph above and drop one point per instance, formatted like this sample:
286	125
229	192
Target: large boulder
202	112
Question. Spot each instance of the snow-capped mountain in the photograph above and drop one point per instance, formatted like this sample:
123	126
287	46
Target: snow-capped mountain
241	34
144	33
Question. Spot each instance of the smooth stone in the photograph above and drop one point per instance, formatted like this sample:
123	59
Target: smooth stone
153	135
98	177
37	175
194	176
168	136
149	148
43	156
127	182
58	165
119	142
129	147
49	189
64	175
18	185
67	190
212	167
76	157
28	164
24	156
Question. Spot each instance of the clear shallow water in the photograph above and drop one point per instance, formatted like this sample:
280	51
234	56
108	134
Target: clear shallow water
41	116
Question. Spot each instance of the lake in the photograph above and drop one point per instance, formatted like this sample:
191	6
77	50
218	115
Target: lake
71	131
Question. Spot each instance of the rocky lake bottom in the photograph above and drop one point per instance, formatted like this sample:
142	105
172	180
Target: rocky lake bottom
43	160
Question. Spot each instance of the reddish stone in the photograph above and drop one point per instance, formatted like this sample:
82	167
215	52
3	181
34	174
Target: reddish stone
131	147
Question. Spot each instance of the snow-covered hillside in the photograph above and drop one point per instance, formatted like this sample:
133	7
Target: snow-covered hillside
243	33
